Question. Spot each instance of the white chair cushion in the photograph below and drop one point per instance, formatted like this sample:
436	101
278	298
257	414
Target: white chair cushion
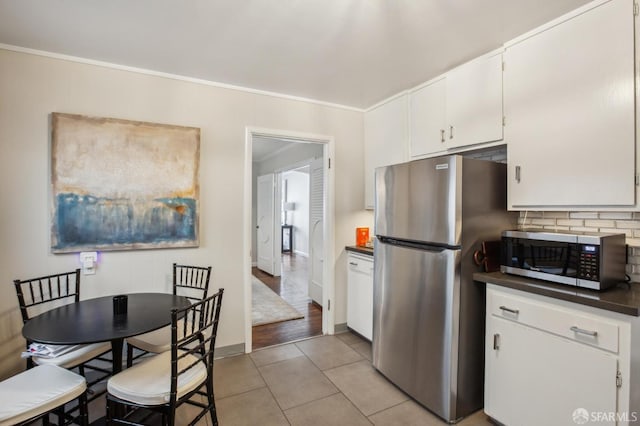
76	357
149	382
156	341
37	391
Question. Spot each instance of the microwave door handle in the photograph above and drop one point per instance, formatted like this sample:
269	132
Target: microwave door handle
566	256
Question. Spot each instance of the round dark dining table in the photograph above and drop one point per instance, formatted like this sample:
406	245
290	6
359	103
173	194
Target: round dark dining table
93	320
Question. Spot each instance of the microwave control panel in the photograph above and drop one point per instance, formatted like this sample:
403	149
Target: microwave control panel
588	263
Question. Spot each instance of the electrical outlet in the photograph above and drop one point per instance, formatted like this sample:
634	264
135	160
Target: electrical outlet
88	261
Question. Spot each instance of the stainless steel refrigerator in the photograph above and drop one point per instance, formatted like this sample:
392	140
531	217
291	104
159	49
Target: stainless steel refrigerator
428	329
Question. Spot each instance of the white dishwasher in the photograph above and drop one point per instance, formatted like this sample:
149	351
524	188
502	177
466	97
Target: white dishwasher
360	294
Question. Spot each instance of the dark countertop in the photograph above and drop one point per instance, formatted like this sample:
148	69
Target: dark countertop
360	249
624	298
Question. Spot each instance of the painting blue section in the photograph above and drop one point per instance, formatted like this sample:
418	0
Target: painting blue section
85	220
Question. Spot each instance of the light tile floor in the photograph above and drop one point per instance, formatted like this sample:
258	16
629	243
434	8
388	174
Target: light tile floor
325	380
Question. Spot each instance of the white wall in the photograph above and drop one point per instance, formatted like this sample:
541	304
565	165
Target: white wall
298	193
31	87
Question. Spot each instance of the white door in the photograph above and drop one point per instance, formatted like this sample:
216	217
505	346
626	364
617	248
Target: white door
265	221
316	229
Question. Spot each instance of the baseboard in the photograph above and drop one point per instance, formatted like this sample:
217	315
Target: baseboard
301	253
340	328
315	292
227	351
254	264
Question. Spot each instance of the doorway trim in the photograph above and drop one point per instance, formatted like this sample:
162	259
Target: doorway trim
328	290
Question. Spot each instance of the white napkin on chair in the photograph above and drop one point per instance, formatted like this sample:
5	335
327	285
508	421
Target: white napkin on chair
47	351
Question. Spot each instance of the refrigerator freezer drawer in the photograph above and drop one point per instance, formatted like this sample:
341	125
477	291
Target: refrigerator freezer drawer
415	322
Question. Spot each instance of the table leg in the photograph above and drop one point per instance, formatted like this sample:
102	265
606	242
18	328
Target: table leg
116	349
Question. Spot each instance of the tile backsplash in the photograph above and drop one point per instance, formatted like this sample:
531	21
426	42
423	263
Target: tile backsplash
627	223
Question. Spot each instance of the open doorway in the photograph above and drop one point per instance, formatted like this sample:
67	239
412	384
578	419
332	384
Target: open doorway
300	316
288	208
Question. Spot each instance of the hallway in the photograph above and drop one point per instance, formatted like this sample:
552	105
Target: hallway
292	287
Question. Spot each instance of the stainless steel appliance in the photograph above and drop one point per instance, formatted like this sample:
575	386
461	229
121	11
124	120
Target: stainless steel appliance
428	331
595	261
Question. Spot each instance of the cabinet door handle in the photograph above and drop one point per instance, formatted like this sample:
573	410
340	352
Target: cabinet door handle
442	135
353	264
511	311
591	333
518	174
450	132
496	342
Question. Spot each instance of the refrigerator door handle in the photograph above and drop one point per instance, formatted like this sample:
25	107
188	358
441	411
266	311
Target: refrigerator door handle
434	247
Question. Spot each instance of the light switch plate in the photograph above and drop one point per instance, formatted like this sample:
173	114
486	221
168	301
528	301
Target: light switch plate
88	261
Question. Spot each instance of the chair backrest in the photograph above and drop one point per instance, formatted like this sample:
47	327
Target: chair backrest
193	335
37	295
192	280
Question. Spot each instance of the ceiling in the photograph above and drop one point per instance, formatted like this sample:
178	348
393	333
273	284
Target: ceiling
264	148
348	52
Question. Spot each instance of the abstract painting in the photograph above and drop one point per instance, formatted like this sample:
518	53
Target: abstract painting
123	185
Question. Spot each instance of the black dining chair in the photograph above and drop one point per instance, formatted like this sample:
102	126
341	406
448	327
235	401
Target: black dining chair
37	295
182	375
189	281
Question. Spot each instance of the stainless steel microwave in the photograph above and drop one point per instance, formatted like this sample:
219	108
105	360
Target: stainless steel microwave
595	261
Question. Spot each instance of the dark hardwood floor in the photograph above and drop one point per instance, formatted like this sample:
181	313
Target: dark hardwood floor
292	287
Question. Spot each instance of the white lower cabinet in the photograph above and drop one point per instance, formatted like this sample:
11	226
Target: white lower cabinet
537	378
360	294
549	364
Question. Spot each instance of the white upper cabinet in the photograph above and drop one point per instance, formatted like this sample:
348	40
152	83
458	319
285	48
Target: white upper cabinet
569	107
427	119
474	102
385	140
463	107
